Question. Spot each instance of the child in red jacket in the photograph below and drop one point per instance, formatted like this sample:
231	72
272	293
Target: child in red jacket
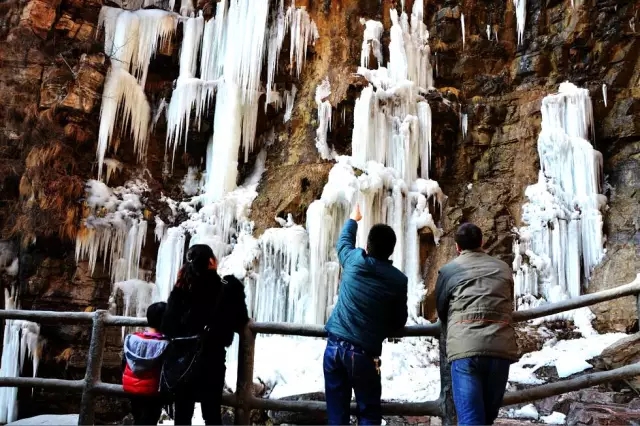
143	361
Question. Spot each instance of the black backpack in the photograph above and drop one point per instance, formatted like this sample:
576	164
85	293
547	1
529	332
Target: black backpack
183	361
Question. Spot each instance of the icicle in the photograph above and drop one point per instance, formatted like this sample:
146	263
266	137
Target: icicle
122	93
169	262
324	119
281	291
132	37
276	37
187	8
488	32
464	121
226	142
214	44
462	27
112	166
290	99
193	31
189	94
604	94
521	16
371	42
303	31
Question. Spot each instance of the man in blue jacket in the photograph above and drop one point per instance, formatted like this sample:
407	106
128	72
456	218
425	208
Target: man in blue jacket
372	304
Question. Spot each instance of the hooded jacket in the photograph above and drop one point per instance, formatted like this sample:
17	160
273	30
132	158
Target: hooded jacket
143	361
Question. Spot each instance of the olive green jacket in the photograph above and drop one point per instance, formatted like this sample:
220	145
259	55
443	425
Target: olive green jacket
474	296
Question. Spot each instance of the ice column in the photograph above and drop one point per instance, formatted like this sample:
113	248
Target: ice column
562	217
282	291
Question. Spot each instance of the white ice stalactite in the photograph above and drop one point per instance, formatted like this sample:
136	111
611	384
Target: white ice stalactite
136	298
324	119
488	32
462	28
226	142
132	37
112	166
276	35
186	7
302	32
290	98
115	229
170	258
604	94
464	124
123	97
193	29
521	16
214	44
281	291
21	339
562	215
371	42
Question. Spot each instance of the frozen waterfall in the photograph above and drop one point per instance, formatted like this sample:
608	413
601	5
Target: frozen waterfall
562	241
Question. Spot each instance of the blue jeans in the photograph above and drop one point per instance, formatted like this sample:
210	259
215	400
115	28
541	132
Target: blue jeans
348	367
478	387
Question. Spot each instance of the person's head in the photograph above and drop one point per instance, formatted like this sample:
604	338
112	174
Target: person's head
155	312
468	237
381	241
200	260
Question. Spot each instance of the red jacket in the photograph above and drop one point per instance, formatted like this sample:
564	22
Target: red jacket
143	361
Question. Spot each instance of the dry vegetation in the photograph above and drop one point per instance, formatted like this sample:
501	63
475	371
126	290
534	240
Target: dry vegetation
49	188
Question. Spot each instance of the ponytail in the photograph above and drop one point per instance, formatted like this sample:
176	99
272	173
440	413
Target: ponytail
196	268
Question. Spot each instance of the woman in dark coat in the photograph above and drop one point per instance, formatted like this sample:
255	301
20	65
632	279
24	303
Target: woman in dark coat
199	299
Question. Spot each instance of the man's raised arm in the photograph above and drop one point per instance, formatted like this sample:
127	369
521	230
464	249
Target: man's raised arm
347	240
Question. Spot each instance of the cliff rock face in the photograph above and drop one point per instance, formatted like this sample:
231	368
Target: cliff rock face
52	72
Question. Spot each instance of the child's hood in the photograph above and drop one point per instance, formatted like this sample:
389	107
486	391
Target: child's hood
143	354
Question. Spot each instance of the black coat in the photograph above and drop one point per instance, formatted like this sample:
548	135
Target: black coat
189	311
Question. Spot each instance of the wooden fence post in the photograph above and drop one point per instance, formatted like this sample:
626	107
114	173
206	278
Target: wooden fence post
244	385
446	395
94	367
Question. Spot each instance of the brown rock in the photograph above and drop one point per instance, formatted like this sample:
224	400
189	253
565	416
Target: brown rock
39	16
54	85
86	90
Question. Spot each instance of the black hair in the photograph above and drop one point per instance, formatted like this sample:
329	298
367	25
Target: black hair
468	237
196	268
381	241
155	312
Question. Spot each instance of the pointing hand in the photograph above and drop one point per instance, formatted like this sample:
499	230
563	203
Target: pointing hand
355	213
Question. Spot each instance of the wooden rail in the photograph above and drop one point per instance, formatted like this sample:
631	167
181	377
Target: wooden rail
243	400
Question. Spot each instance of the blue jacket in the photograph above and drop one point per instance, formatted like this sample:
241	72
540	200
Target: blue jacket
372	300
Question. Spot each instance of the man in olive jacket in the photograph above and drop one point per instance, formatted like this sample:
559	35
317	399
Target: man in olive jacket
372	304
474	296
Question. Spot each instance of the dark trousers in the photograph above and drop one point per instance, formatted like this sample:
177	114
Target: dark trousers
478	388
209	396
348	367
146	410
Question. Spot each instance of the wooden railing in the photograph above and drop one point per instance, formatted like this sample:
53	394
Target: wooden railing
243	399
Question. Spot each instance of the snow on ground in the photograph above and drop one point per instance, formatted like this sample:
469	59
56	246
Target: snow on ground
293	366
567	356
48	419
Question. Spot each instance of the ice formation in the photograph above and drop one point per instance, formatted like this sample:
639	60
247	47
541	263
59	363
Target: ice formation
324	119
562	241
521	16
371	42
115	229
604	94
464	121
462	28
290	97
21	339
